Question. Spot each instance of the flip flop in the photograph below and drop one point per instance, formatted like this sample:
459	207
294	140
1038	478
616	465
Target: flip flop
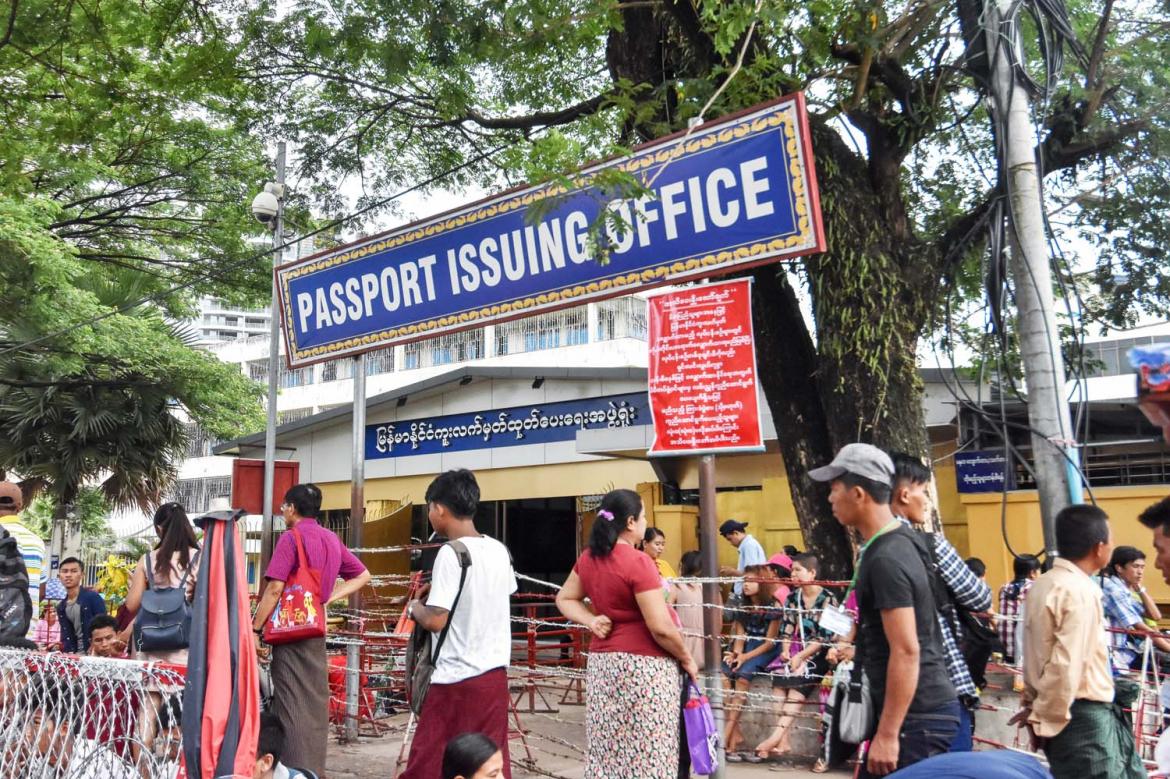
735	757
820	766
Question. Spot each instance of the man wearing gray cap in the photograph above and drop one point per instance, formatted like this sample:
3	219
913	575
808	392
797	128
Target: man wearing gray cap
899	645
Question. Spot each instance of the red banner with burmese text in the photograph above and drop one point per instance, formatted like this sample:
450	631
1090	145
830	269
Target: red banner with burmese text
703	371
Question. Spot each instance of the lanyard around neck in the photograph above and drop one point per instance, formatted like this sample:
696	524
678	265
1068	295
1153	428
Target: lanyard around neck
893	523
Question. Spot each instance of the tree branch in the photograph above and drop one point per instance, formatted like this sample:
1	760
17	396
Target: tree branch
11	23
538	119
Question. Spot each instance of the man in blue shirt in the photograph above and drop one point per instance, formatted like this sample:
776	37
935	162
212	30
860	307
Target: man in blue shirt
1124	613
750	551
79	606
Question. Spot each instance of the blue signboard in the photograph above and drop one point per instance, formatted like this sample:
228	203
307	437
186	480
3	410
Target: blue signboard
731	194
983	472
538	424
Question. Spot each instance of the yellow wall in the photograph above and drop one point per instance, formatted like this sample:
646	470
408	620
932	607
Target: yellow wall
680	526
536	481
1122	504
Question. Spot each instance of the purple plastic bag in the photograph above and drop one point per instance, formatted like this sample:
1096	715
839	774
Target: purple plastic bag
702	737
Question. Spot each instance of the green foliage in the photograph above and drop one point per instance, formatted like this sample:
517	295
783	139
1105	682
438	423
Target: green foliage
129	117
126	166
91	509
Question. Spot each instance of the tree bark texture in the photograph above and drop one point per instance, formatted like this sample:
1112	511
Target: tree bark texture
872	294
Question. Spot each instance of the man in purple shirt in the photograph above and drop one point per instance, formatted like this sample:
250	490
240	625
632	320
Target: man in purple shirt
300	679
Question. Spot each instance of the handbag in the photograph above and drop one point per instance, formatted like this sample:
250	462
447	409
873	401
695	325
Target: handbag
702	735
420	658
300	614
854	717
164	618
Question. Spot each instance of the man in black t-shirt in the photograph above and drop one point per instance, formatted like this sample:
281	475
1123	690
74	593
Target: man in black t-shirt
898	639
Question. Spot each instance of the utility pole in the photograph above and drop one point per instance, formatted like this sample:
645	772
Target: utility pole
712	614
266	526
1053	446
357	518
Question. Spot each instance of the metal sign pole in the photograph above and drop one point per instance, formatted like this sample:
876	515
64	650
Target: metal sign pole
357	517
712	614
267	521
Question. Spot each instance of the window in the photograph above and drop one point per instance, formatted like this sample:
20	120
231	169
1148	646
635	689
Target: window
292	415
547	331
196	494
378	362
336	370
444	350
296	377
199	441
258	370
621	318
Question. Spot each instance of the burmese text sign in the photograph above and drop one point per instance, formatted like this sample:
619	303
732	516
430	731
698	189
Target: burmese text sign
703	371
518	426
734	193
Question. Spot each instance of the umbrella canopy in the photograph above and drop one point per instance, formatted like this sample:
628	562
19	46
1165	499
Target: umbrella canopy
221	702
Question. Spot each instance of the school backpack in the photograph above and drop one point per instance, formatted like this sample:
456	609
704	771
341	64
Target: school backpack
976	642
16	608
164	619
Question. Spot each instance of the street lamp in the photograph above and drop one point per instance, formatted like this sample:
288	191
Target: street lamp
268	208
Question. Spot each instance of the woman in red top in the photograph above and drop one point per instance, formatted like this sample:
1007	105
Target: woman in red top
632	680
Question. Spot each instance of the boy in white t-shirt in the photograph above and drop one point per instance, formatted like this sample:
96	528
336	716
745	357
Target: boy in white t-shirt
469	687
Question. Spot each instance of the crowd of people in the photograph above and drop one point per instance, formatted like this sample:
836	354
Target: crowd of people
917	622
915	628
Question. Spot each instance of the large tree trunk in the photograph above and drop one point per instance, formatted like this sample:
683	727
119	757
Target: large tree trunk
787	363
860	381
871	290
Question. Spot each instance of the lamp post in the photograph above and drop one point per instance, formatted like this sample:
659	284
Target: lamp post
268	207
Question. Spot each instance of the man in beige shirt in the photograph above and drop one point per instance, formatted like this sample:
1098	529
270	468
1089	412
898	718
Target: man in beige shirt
1069	701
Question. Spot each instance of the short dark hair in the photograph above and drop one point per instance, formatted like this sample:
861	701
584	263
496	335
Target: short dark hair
271	741
466	753
305	498
651	534
791	550
1079	528
68	560
878	491
909	468
976	566
1123	556
1024	565
102	621
808	560
691	563
457	490
1157	516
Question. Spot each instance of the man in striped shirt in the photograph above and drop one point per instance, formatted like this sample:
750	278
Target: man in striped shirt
32	548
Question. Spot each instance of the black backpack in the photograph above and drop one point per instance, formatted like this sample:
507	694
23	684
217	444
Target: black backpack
16	608
976	641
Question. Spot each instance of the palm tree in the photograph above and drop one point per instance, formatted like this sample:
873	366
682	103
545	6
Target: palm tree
120	435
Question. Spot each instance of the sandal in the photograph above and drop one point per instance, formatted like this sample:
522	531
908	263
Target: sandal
753	757
820	766
735	757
